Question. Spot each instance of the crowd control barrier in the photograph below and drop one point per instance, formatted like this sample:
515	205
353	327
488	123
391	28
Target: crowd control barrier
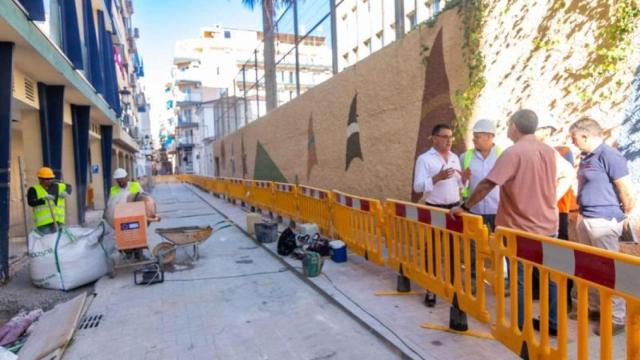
236	189
358	222
285	200
430	247
603	274
261	194
314	206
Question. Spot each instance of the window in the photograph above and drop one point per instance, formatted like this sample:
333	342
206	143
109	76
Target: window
413	21
436	7
227	34
291	77
217	70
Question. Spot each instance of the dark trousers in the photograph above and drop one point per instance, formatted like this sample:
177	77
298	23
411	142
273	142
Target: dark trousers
490	221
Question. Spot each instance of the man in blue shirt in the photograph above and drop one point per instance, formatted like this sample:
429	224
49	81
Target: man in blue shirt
604	196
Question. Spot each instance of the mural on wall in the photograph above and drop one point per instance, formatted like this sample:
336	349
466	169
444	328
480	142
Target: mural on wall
265	168
353	133
312	157
436	102
629	142
243	156
232	161
223	157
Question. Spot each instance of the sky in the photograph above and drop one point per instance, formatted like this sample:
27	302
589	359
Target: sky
163	22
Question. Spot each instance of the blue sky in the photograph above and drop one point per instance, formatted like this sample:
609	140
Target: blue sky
163	22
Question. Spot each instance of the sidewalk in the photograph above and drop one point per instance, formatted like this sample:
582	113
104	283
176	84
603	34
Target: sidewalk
235	302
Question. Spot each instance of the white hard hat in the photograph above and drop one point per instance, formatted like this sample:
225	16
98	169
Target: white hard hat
546	120
484	126
120	173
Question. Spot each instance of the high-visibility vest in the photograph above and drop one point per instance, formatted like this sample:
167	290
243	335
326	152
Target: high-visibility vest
466	163
133	187
42	214
568	201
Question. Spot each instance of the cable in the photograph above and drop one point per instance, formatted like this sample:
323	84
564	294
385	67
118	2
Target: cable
228	276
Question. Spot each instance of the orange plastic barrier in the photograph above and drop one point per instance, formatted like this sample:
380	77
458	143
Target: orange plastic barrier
358	222
236	189
261	194
604	274
285	200
429	247
314	206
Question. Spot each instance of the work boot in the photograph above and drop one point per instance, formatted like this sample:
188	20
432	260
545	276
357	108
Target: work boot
430	299
615	329
536	325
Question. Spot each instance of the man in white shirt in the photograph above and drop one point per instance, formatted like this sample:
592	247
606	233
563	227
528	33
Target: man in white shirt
438	177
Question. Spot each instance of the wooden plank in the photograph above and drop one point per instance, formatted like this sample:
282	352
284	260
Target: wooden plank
54	330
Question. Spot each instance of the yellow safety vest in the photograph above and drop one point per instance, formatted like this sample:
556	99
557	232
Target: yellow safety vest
42	214
466	163
133	186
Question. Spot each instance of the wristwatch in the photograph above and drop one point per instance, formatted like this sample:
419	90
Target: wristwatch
464	207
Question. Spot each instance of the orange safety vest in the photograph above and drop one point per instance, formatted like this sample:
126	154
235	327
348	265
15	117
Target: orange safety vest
569	201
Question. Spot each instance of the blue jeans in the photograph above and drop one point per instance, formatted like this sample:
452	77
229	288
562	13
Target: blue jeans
553	299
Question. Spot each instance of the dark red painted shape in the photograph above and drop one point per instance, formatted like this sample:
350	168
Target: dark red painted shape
594	268
529	249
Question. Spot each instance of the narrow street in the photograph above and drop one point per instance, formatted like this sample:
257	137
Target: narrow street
235	302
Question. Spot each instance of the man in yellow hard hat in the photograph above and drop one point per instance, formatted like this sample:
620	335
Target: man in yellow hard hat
47	198
122	183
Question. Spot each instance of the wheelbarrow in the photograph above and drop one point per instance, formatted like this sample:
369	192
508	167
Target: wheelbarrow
180	237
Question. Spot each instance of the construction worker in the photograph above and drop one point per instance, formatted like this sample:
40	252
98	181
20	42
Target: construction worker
47	198
122	183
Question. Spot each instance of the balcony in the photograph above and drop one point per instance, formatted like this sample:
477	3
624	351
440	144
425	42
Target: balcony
187	77
186	124
123	139
186	99
185	142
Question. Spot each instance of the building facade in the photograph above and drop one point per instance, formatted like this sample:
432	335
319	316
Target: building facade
366	26
68	88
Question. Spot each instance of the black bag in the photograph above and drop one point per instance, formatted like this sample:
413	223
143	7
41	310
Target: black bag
320	245
286	242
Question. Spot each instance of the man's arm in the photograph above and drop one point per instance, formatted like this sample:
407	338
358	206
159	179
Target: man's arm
32	198
422	182
483	189
564	176
623	185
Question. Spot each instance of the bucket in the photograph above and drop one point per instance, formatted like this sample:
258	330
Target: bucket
338	251
312	264
266	233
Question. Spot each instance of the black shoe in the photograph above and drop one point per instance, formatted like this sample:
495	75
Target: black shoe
536	326
430	299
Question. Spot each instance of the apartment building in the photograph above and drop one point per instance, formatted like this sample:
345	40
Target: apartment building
366	26
68	89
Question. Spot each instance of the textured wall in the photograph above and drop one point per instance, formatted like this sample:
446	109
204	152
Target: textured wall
360	131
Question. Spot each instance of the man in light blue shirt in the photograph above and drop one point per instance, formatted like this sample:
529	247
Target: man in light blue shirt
477	162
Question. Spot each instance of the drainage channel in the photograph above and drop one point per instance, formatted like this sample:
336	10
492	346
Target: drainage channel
385	340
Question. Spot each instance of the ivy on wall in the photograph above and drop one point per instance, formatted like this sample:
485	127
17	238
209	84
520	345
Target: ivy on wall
473	13
613	48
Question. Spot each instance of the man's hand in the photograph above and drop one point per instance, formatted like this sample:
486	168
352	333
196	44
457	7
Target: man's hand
466	175
444	174
64	194
49	197
456	211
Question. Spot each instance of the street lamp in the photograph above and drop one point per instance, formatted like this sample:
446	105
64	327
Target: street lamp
125	96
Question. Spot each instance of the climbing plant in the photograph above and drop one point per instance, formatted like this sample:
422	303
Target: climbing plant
473	13
612	49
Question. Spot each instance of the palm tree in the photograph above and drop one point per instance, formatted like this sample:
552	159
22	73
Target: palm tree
268	13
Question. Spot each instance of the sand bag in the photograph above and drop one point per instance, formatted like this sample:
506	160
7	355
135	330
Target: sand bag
70	258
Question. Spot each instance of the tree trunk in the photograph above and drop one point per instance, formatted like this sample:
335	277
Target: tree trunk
271	87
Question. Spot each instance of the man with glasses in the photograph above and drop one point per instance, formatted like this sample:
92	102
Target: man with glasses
438	177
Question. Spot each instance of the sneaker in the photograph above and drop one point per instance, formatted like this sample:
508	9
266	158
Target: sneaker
552	331
430	299
615	329
594	315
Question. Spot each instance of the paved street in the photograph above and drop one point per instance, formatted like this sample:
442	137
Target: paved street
236	302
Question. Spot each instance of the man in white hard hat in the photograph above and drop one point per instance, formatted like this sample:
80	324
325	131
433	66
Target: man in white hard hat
477	162
123	183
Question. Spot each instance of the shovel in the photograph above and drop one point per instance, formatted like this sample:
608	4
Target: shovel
55	223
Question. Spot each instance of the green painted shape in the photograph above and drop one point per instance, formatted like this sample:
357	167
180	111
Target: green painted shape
265	168
16	18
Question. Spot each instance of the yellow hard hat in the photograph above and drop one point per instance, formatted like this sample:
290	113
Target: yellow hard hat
45	173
